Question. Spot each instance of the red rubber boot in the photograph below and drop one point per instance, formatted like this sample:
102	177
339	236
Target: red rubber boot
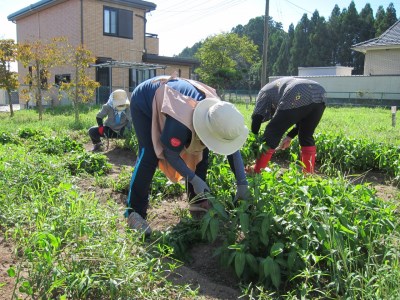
308	158
262	162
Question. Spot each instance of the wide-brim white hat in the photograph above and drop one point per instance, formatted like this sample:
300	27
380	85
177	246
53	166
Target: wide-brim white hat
119	97
219	125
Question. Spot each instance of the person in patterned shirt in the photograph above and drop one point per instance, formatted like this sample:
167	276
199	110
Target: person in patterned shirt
288	102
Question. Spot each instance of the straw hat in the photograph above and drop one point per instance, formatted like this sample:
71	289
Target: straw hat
119	97
219	125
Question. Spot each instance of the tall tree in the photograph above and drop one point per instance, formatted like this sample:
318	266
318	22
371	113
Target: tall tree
190	52
367	23
276	39
319	51
301	44
366	32
8	78
41	56
81	88
281	65
334	28
380	21
390	17
225	59
350	36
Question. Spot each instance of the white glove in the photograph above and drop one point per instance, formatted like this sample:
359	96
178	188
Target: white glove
199	185
285	143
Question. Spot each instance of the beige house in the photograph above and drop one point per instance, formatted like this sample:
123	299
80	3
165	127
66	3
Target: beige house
380	84
382	54
113	30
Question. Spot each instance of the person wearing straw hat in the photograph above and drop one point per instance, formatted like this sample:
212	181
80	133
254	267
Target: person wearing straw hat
118	119
177	121
288	103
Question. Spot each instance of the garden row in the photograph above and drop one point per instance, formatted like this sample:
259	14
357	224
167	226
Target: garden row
298	237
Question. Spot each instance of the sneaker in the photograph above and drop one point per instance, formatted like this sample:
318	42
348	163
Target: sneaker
137	223
97	147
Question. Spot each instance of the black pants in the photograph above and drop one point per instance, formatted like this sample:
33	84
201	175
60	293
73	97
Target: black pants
146	164
108	132
306	117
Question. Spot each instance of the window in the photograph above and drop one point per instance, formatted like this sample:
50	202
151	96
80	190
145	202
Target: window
137	76
62	78
118	22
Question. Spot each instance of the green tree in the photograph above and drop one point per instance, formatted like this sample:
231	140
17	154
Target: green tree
190	52
41	56
384	19
380	25
349	36
225	59
334	28
8	78
366	32
367	22
281	65
390	17
319	51
301	44
81	88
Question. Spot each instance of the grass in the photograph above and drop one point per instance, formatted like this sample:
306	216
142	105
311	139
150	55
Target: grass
71	246
373	124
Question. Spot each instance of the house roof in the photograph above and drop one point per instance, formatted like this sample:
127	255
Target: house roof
154	58
44	4
389	39
128	64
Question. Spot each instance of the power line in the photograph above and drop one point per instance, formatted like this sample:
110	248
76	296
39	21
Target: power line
189	14
299	6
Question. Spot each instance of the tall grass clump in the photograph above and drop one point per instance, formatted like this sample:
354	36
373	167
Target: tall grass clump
69	245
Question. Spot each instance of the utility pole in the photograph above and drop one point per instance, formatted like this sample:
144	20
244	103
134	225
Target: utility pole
265	46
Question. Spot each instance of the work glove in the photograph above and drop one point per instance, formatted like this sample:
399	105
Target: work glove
242	192
285	143
199	185
101	130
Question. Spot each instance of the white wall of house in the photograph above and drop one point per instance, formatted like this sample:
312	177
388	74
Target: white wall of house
318	71
382	62
3	97
359	87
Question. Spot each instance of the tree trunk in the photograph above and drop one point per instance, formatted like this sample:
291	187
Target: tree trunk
39	93
11	106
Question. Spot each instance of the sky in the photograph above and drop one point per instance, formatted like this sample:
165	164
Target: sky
182	23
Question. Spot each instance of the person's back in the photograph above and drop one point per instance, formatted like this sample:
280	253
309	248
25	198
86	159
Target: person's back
143	94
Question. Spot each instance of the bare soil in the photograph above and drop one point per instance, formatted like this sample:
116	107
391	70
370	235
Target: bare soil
203	271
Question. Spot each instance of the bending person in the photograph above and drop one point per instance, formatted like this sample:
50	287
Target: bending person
177	121
289	102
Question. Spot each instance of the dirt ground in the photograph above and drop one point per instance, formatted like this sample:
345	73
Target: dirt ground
204	271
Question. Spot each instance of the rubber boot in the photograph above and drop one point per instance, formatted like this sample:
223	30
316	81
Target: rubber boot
308	158
263	161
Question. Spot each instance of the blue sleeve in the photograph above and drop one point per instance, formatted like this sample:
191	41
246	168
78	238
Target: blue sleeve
178	164
237	166
174	137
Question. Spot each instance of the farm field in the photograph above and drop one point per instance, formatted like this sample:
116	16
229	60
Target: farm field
333	235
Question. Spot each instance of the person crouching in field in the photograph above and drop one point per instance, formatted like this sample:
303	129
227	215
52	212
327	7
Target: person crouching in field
118	119
288	102
177	121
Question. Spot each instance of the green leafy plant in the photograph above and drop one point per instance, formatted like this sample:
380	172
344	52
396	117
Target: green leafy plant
87	162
